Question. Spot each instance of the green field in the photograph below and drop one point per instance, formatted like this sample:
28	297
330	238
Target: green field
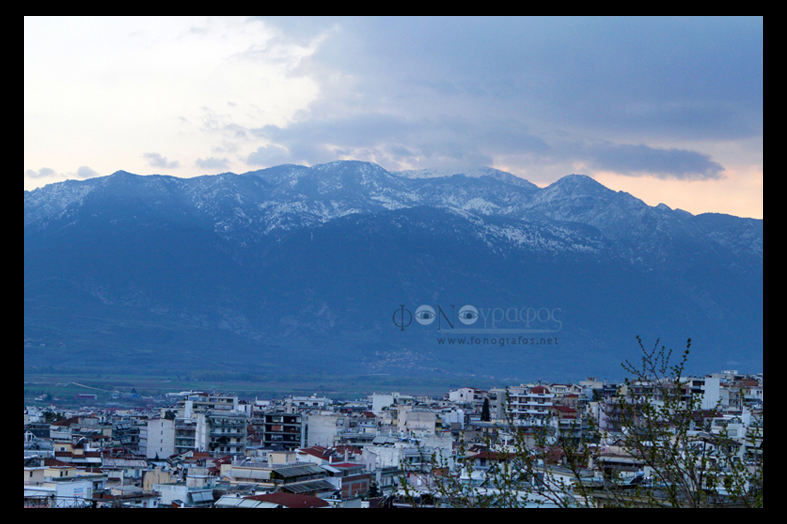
107	387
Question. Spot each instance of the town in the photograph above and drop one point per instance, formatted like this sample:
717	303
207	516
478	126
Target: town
215	449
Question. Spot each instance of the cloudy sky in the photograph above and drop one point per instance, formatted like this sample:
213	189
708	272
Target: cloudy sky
668	109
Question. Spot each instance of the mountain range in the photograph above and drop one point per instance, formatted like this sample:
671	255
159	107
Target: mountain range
346	268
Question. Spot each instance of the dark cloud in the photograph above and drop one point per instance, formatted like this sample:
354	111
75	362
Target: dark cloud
659	76
394	143
156	160
537	91
641	160
381	138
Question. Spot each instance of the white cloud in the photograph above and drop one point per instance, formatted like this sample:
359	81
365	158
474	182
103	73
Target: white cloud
212	163
156	160
44	172
86	172
108	90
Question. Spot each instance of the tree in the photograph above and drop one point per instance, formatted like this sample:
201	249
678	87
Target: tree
485	411
374	491
649	445
689	462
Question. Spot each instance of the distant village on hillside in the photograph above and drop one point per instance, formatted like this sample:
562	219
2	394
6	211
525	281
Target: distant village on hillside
210	449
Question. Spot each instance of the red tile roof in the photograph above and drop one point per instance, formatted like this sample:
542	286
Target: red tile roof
316	451
493	455
350	449
54	462
292	500
66	422
326	453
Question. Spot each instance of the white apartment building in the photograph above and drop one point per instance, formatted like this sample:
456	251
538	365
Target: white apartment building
157	438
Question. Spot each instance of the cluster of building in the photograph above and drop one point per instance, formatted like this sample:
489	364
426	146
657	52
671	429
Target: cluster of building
217	450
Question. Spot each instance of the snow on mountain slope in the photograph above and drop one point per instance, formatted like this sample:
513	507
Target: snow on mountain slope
245	208
246	266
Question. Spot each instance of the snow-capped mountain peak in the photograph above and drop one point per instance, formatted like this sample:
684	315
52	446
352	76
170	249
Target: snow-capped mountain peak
305	265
